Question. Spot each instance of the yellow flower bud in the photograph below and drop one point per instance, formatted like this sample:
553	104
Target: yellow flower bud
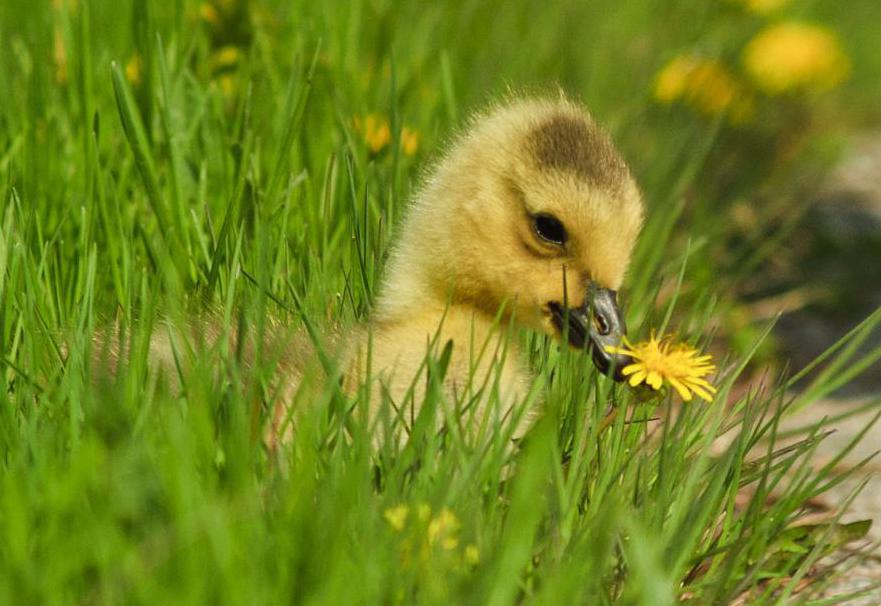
792	56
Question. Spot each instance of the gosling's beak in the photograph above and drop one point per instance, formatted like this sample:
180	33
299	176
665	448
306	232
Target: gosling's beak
596	324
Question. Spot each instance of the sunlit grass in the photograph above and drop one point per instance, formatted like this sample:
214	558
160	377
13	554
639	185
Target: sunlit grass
163	161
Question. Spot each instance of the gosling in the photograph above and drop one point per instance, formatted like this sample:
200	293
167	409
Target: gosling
530	219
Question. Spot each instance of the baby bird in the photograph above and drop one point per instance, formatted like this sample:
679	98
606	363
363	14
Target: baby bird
529	219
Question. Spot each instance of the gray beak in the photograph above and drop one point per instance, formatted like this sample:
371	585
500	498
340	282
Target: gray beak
596	324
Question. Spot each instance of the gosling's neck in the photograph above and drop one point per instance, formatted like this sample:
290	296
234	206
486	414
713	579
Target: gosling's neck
415	300
411	314
413	317
484	362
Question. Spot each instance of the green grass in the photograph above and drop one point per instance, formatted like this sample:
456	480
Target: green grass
242	188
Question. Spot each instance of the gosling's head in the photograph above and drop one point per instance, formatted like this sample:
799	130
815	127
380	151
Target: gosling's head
532	209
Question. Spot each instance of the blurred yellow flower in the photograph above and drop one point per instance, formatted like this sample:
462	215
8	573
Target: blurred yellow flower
397	516
376	132
133	70
223	64
209	13
704	84
791	56
226	57
428	538
409	141
443	529
657	361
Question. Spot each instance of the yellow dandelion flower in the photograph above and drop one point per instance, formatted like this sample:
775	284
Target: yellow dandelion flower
442	530
397	516
791	56
409	141
375	131
658	361
705	85
208	13
670	84
226	57
133	70
471	555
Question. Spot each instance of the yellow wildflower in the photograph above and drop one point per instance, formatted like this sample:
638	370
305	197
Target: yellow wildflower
133	70
409	141
397	516
443	530
791	56
657	361
704	84
376	132
226	57
209	13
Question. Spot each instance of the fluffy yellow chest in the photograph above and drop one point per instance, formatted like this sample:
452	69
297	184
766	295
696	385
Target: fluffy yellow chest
484	378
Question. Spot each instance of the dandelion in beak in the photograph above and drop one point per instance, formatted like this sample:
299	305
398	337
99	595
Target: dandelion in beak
659	361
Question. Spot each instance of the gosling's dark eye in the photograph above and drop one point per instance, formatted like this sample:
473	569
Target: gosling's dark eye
550	229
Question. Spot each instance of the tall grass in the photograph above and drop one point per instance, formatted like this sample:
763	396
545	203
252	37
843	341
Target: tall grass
160	160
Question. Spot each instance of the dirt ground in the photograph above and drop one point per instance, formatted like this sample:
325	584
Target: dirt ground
844	227
866	505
